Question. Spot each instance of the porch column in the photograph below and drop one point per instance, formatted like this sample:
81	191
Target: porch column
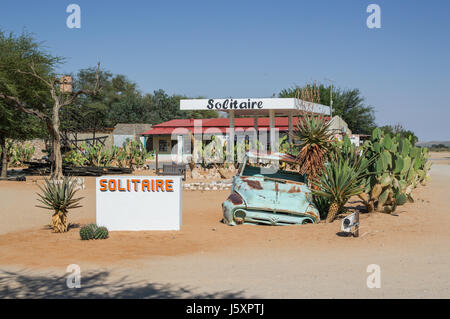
180	142
231	138
255	126
290	128
156	141
272	130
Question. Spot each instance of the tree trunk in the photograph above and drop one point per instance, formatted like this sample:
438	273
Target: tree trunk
59	222
332	212
57	172
4	157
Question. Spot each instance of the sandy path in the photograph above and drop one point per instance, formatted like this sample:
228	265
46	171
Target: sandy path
18	201
209	259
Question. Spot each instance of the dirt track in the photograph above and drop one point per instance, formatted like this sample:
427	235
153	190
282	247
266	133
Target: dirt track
209	259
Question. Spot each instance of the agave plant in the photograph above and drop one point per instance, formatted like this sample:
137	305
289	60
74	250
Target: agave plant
340	180
313	136
59	197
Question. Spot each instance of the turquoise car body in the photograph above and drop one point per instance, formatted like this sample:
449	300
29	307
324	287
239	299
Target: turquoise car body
276	198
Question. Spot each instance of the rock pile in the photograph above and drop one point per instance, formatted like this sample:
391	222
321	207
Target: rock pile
213	173
211	186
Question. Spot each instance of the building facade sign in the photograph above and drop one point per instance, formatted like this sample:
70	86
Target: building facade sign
255	104
139	202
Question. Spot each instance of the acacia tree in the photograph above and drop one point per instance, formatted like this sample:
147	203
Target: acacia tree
15	52
15	125
29	82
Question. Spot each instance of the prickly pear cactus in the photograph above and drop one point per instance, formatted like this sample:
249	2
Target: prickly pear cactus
399	167
101	233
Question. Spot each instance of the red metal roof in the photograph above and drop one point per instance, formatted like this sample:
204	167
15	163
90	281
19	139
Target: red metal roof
217	125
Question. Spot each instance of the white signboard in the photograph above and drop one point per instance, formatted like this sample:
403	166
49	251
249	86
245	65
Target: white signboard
139	202
250	104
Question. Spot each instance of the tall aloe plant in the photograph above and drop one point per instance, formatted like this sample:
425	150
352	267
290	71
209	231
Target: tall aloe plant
313	136
58	196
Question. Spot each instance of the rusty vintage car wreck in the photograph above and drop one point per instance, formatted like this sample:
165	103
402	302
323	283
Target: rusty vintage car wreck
271	197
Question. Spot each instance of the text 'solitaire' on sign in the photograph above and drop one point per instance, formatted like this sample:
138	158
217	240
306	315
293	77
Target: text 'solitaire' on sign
134	184
139	202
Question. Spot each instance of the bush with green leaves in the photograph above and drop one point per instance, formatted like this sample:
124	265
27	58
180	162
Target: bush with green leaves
23	153
75	158
17	154
97	155
135	153
132	154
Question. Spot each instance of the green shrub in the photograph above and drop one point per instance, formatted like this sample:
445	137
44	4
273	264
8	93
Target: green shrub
75	158
133	153
17	154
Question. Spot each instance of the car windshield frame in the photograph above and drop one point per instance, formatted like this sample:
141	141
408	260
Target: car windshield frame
280	175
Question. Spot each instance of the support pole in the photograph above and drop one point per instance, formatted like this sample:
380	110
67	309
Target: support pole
156	157
255	125
179	149
291	131
272	130
231	141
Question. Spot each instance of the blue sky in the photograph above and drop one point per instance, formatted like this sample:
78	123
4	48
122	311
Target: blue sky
256	48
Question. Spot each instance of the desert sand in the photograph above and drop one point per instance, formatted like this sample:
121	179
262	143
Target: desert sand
209	259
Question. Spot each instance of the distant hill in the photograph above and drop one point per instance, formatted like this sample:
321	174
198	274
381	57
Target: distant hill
428	144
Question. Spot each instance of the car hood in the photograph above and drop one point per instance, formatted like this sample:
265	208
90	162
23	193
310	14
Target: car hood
275	195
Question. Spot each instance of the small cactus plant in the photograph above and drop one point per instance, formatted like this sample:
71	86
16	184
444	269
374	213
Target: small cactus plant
101	233
92	226
87	232
92	231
